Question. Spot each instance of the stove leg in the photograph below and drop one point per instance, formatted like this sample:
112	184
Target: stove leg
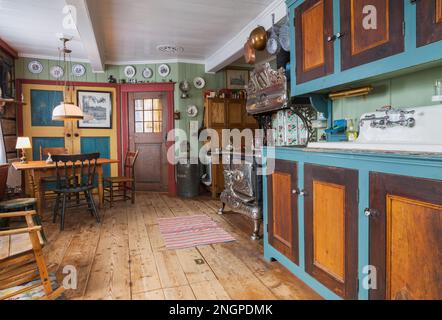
256	228
221	211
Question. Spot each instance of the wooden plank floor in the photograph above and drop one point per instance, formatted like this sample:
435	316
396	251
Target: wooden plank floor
124	257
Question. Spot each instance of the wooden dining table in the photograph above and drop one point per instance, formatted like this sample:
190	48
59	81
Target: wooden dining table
41	169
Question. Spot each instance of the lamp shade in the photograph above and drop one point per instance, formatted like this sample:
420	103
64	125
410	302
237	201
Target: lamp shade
67	112
23	143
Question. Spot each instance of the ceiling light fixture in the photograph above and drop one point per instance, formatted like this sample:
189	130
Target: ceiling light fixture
170	49
67	110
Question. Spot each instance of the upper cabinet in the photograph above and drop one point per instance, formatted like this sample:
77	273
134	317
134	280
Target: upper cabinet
339	42
428	22
370	30
314	54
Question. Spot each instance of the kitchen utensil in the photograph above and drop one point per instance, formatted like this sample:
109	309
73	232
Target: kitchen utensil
249	53
130	72
273	45
78	70
147	73
199	83
258	38
284	36
185	88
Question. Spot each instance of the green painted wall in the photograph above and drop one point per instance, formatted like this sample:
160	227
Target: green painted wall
415	89
179	72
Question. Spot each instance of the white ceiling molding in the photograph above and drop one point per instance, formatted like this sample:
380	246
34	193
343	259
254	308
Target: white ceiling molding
88	36
233	49
141	62
45	57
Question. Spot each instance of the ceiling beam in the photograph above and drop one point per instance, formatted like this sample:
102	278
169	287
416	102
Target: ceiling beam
233	49
88	34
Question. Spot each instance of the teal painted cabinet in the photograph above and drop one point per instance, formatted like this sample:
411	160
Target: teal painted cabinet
359	218
336	43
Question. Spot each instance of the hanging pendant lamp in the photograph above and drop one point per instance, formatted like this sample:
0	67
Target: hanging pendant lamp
66	110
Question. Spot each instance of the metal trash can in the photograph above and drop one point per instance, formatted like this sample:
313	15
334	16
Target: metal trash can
188	179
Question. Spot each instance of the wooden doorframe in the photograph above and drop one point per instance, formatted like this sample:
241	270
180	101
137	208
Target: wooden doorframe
168	88
117	108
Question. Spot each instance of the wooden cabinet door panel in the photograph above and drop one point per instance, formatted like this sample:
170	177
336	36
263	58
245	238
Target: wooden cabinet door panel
372	30
283	209
235	113
217	114
314	54
331	227
406	237
428	22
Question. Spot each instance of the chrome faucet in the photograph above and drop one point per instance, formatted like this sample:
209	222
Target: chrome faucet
384	122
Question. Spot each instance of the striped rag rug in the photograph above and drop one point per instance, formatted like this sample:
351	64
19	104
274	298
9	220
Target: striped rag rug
191	231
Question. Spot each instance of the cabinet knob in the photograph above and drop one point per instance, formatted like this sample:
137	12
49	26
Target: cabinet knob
299	192
371	213
331	38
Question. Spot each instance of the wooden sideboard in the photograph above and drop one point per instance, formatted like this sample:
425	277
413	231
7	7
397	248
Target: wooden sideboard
223	114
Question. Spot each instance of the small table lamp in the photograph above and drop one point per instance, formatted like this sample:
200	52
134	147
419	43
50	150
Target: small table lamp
23	143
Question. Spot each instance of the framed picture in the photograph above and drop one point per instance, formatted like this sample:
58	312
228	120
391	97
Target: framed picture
237	79
97	109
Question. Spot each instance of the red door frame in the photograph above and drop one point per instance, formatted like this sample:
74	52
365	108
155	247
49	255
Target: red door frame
169	89
21	82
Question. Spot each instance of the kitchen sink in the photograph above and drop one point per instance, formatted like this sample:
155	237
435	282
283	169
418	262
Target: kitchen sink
416	130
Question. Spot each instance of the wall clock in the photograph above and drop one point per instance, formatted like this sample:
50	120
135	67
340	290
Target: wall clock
35	67
164	70
78	70
56	72
147	73
130	72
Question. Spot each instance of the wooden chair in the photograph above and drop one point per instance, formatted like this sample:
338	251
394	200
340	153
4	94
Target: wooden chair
17	204
22	261
48	183
75	175
118	187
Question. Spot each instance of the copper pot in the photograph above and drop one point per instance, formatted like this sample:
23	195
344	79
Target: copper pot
258	38
249	53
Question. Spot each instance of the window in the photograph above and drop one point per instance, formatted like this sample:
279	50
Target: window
148	116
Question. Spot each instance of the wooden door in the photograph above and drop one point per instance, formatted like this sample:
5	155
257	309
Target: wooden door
216	113
314	53
283	209
406	237
148	133
235	113
428	22
331	228
371	30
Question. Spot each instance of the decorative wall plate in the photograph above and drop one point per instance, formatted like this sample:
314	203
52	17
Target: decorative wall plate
164	70
147	73
192	111
78	70
56	72
199	83
35	67
130	72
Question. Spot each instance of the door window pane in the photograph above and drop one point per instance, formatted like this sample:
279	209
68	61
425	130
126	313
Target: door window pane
139	116
138	105
148	116
139	127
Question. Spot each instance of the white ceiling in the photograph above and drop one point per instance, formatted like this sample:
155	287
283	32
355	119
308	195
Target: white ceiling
129	30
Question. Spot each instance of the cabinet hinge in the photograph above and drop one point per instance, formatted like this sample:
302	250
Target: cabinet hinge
357	194
403	28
